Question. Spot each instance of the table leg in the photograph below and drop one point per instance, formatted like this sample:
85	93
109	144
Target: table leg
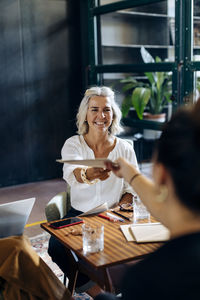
108	281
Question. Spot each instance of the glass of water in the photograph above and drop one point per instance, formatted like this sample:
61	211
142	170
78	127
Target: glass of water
140	212
93	238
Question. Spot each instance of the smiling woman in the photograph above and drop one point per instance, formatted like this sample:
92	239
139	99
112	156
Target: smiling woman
100	114
98	121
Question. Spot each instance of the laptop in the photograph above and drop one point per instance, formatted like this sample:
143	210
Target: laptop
14	215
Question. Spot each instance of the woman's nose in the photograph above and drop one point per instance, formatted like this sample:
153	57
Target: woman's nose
101	114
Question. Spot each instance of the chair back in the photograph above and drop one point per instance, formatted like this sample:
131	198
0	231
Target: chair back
58	206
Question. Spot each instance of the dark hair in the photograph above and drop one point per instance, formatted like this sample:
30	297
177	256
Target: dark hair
179	150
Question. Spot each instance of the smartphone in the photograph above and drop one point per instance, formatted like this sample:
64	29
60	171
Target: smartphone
65	223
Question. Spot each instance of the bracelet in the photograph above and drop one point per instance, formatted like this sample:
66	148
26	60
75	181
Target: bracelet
133	177
84	177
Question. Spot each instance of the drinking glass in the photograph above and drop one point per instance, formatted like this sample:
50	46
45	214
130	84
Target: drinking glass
93	238
140	212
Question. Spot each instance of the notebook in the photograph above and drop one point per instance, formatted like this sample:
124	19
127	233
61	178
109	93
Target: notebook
150	232
14	215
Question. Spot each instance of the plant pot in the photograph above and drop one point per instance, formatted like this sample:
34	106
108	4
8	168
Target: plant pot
150	134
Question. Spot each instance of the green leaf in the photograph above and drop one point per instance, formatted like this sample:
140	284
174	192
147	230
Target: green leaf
127	79
129	86
158	59
140	98
126	105
160	77
150	76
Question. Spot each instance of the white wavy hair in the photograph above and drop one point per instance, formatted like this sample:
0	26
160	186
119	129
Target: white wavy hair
104	91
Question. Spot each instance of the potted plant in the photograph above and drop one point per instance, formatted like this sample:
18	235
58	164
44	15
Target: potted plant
152	94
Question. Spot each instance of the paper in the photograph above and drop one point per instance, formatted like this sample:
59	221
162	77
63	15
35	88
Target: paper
127	232
150	232
97	163
96	210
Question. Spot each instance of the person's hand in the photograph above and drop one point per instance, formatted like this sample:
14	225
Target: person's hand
97	173
121	168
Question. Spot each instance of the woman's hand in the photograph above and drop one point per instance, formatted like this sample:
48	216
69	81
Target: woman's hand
97	173
122	168
92	174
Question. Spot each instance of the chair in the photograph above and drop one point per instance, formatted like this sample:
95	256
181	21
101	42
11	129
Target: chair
58	206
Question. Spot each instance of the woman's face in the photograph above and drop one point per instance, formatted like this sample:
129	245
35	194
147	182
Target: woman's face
99	115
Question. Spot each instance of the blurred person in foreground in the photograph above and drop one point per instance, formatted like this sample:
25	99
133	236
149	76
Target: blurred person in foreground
24	275
173	198
98	122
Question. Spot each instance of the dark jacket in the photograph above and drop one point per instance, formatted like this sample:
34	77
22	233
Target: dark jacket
171	272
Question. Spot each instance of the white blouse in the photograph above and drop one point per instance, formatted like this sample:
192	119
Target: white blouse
85	197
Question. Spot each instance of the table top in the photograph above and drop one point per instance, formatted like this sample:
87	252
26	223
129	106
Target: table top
116	248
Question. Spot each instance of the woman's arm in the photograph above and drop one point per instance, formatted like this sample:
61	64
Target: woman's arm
144	187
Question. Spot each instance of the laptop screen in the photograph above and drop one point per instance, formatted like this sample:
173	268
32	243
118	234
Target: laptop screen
14	215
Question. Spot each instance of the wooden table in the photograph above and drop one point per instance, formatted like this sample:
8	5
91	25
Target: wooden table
116	248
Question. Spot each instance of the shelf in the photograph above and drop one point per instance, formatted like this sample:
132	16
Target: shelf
138	46
142	124
127	12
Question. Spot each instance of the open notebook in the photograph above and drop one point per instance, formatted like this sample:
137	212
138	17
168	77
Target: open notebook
14	215
146	232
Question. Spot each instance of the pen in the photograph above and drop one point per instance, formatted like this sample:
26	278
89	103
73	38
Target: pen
104	217
115	212
115	217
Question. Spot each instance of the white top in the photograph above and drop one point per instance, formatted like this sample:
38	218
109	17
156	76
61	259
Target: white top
83	196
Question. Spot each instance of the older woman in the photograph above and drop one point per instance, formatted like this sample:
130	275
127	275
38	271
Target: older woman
98	121
173	271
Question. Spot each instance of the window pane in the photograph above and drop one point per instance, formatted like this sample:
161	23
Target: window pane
124	32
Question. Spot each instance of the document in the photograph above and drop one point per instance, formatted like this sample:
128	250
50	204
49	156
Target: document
98	162
98	209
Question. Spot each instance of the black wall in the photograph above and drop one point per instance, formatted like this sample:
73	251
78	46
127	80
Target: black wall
40	86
